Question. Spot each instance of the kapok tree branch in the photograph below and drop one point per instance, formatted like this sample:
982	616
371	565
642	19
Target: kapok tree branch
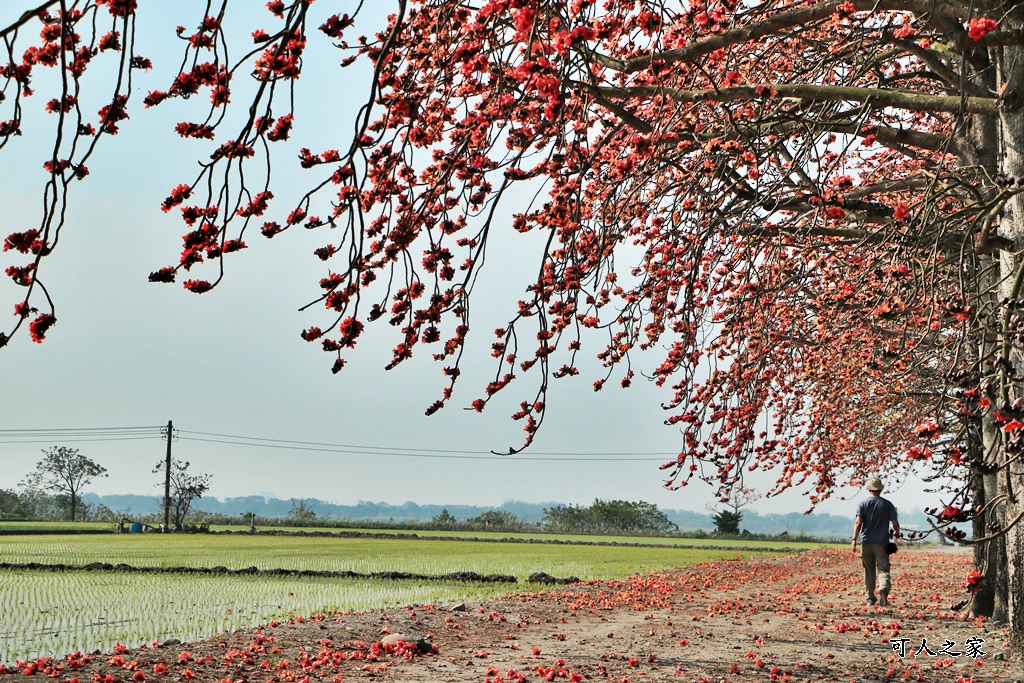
27	16
898	99
776	24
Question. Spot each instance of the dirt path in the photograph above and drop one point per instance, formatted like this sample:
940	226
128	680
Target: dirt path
796	618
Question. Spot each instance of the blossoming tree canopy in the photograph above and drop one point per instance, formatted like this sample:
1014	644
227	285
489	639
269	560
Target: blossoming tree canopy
811	207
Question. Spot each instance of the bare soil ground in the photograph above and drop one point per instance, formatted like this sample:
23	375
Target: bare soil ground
796	618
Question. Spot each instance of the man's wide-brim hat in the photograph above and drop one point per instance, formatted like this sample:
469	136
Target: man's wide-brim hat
875	484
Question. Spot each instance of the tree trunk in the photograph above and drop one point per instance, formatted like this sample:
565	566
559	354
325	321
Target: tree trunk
1014	585
1010	81
990	557
74	504
979	142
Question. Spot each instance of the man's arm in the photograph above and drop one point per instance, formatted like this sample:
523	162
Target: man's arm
895	521
856	533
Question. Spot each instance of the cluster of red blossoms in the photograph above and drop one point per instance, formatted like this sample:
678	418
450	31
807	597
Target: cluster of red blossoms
470	98
188	83
25	242
120	8
979	27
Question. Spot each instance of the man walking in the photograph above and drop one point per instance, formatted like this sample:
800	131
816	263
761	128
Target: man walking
872	530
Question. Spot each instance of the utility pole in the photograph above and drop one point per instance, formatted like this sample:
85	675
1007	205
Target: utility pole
167	480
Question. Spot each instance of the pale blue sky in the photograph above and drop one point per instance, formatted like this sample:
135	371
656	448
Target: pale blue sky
129	353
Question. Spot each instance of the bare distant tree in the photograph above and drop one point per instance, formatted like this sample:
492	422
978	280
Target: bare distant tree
739	497
63	470
302	511
186	488
727	521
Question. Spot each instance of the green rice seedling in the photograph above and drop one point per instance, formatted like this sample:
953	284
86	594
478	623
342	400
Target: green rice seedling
50	614
361	554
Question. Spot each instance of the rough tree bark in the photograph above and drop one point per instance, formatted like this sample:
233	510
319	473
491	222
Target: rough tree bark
1009	68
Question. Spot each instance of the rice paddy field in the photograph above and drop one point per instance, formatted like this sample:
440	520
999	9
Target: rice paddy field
797	542
51	613
360	554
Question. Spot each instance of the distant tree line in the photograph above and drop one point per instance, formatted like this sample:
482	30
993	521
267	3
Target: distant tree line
608	517
303	514
54	491
413	515
605	517
20	505
489	520
407	516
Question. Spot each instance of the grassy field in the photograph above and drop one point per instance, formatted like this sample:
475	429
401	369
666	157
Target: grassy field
360	554
57	526
50	613
795	543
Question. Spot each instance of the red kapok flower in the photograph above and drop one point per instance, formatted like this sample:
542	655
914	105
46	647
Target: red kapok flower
37	328
927	429
918	453
905	31
197	286
952	513
154	97
119	8
979	26
177	196
110	41
163	275
21	241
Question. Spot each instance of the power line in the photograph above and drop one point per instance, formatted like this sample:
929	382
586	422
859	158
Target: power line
82	439
43	431
479	455
77	434
88	434
243	441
